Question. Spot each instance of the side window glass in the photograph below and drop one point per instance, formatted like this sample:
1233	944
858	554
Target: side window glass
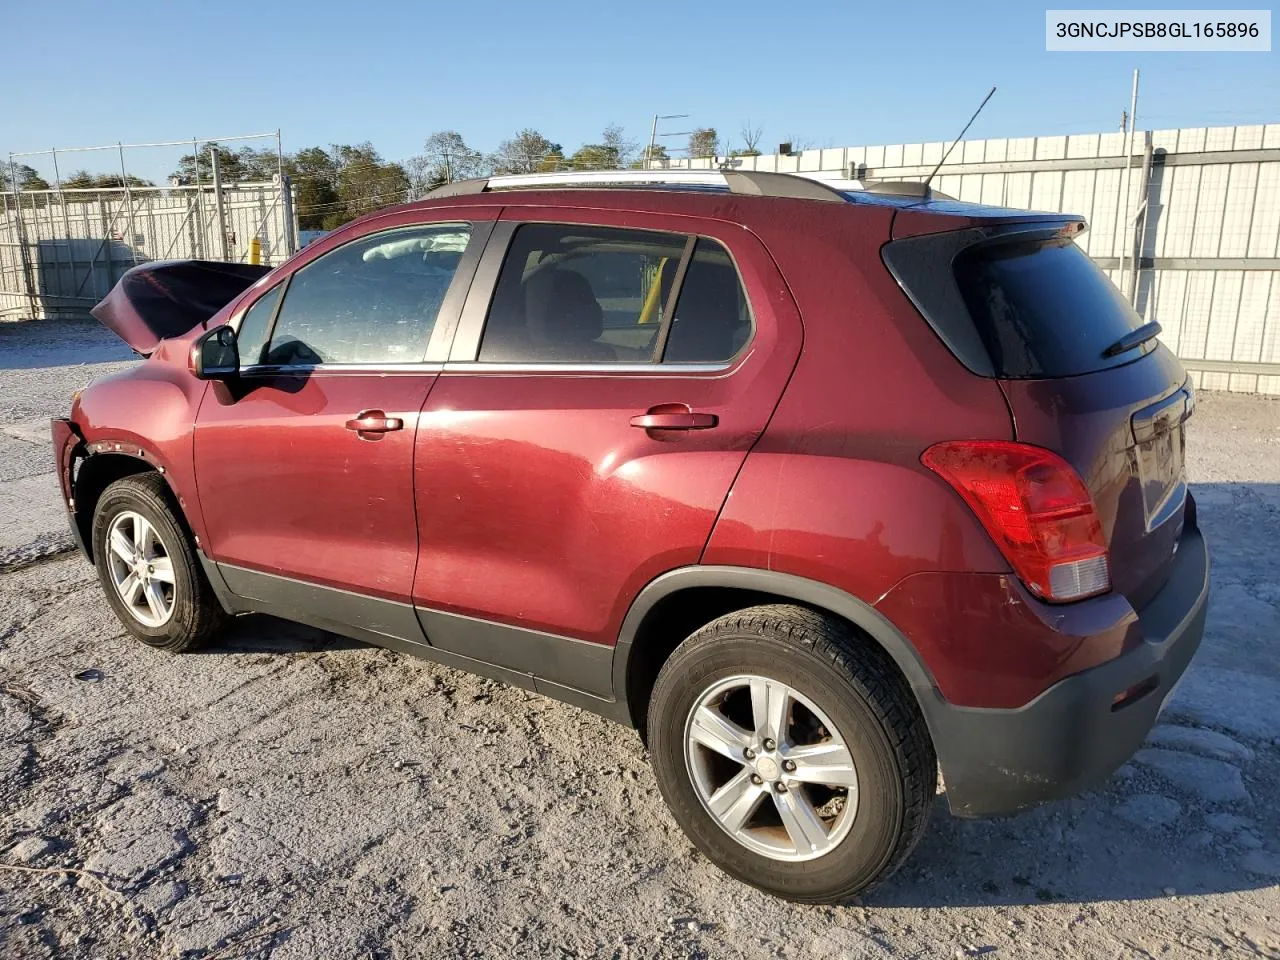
252	335
373	300
712	318
574	294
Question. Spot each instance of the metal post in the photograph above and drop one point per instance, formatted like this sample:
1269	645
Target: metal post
88	235
653	139
217	202
199	234
1124	218
286	201
279	156
20	234
290	224
66	221
1139	225
128	199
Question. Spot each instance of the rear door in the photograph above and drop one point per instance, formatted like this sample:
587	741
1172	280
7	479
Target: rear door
584	434
305	463
1052	324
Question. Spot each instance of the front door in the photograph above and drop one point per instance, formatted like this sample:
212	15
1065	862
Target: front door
584	434
304	465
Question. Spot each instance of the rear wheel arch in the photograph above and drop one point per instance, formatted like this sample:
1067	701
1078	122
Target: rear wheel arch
682	601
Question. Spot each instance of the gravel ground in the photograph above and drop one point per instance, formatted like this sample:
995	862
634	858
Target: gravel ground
288	793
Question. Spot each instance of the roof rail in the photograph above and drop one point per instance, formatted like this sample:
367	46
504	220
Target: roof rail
746	183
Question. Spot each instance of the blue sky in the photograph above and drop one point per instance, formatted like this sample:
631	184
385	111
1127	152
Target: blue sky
81	73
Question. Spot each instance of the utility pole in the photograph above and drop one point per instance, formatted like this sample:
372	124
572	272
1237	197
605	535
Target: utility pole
1126	225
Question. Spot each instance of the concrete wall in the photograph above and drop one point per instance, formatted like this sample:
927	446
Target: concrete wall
1208	254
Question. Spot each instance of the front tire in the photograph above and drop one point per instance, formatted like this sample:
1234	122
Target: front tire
148	568
792	753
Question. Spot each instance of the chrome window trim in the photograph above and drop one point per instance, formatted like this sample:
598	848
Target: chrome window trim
414	366
667	370
650	369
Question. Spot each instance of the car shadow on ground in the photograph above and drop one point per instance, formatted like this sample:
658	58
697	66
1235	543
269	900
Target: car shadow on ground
261	633
1084	850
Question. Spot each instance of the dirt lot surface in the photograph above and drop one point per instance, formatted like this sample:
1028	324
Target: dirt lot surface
287	793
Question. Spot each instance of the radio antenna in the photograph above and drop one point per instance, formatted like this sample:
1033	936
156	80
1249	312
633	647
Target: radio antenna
990	93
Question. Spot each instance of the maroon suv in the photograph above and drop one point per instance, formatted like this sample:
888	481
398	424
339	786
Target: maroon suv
820	489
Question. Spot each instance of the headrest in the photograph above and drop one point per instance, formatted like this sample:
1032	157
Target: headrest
560	307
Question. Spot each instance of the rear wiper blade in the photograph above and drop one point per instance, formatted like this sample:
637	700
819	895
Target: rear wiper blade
1134	338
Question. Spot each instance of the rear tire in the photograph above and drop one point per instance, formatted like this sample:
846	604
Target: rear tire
148	567
838	798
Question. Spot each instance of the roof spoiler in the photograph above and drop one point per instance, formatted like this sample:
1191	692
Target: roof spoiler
905	188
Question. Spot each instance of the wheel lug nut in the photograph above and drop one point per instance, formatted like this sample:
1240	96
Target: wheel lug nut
755	778
769	744
749	753
789	765
780	787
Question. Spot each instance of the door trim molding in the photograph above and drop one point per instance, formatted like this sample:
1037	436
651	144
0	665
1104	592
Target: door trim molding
577	672
371	619
578	664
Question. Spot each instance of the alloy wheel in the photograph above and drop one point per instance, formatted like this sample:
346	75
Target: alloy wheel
141	569
771	768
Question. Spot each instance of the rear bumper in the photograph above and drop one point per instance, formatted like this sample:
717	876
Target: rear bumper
1073	736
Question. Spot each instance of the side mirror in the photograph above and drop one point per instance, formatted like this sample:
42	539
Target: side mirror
215	355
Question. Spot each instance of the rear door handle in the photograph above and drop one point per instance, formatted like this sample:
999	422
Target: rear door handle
374	421
686	420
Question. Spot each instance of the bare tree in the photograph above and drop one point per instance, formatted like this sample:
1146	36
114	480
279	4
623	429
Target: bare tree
445	158
751	136
704	142
621	147
523	153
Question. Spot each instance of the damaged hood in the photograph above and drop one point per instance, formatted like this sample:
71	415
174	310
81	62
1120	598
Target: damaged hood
166	298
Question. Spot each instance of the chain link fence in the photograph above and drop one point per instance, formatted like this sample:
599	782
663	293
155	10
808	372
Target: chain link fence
63	249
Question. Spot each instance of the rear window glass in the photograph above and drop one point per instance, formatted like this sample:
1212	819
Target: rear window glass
712	318
1044	309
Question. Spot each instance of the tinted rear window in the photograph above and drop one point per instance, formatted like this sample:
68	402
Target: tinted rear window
1044	309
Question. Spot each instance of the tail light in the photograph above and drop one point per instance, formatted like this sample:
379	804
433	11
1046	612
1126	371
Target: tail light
1036	509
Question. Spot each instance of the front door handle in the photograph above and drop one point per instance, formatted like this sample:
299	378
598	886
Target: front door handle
374	422
671	416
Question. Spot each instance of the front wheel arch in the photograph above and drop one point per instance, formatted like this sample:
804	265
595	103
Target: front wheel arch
97	471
